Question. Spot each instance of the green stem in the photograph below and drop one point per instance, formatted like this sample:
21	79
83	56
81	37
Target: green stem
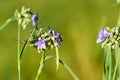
19	61
26	43
41	66
57	57
65	65
6	22
116	66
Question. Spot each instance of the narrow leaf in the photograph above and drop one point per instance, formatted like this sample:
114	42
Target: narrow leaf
117	65
108	62
6	22
22	50
65	65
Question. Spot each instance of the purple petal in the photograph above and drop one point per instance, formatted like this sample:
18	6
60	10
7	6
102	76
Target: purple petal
55	34
35	19
99	40
41	43
43	46
58	42
103	34
57	37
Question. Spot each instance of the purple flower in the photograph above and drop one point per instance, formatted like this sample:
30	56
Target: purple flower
57	37
41	43
35	18
103	34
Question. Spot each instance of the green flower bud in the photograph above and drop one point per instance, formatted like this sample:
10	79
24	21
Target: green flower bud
23	17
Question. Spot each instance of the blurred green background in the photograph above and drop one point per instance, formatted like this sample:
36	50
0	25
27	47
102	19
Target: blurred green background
79	21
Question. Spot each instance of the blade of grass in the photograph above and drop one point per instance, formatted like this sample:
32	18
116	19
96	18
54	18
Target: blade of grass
65	65
105	63
117	53
106	54
108	62
6	22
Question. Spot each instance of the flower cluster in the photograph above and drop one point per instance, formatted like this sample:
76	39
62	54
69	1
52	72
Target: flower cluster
23	17
109	36
40	40
43	40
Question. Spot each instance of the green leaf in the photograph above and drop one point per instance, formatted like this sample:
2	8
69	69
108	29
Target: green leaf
22	50
117	57
6	22
65	65
108	62
117	65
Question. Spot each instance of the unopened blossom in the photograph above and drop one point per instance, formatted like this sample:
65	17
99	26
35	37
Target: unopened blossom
35	18
23	17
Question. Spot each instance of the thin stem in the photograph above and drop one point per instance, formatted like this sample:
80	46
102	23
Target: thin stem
19	61
116	66
6	22
57	57
26	43
41	66
70	71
